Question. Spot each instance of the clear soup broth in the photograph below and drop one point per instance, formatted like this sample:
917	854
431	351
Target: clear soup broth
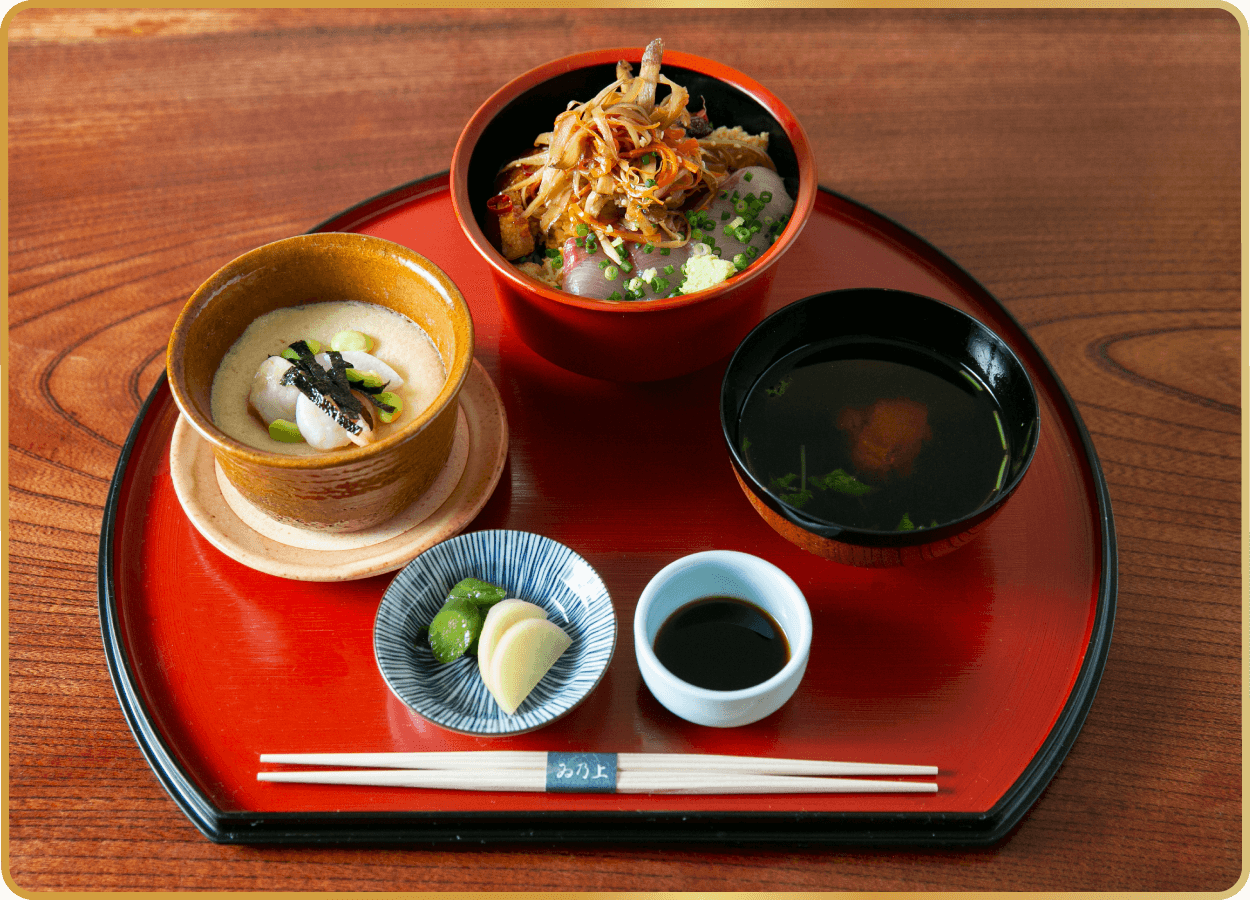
876	436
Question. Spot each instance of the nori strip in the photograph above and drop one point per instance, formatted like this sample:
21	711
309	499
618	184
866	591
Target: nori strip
326	388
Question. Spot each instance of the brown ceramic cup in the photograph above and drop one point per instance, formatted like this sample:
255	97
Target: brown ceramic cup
341	490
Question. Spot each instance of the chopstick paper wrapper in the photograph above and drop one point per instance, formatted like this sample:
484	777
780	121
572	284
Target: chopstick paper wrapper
625	773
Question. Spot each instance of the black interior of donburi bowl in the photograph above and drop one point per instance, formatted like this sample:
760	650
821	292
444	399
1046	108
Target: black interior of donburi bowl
511	133
921	325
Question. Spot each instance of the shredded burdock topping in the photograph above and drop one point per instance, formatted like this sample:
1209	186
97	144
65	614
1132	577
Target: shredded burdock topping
619	167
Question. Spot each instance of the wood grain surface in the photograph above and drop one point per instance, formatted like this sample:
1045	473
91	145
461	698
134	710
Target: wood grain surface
1084	165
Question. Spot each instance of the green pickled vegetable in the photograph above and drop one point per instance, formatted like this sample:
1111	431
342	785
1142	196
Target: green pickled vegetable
454	630
480	593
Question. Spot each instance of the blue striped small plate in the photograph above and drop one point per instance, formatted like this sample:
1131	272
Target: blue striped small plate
529	566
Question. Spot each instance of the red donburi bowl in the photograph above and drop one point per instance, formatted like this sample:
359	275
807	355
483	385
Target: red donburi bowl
627	341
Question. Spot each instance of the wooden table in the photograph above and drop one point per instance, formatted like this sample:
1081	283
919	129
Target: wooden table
1083	165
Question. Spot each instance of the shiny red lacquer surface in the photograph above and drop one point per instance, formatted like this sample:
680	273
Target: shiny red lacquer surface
632	341
964	662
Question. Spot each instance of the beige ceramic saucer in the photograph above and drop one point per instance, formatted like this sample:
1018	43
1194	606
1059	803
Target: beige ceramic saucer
248	536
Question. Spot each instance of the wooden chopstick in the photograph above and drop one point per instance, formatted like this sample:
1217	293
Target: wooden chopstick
627	782
536	760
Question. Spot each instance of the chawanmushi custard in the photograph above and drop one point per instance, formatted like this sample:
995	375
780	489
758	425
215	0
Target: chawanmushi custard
322	376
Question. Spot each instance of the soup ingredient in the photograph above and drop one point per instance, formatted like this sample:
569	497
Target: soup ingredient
525	653
329	411
282	430
365	371
886	436
319	394
246	375
873	434
624	174
272	396
351	340
840	480
722	644
390	406
502	616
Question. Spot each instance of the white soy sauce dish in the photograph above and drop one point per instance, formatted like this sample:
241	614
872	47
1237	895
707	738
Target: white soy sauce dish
722	574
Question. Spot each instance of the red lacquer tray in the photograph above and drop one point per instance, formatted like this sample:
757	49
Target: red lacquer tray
983	663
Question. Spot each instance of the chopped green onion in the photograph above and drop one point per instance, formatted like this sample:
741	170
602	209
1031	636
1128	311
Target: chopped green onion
746	176
668	270
766	196
394	401
665	251
648	247
287	432
659	285
351	340
740	261
611	272
615	295
743	234
582	229
604	263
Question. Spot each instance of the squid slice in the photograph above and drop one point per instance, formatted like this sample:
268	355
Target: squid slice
321	431
269	396
365	363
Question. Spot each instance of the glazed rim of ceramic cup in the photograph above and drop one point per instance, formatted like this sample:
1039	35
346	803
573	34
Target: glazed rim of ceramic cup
785	126
457	371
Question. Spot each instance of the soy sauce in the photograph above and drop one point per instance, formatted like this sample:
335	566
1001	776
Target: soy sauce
722	644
